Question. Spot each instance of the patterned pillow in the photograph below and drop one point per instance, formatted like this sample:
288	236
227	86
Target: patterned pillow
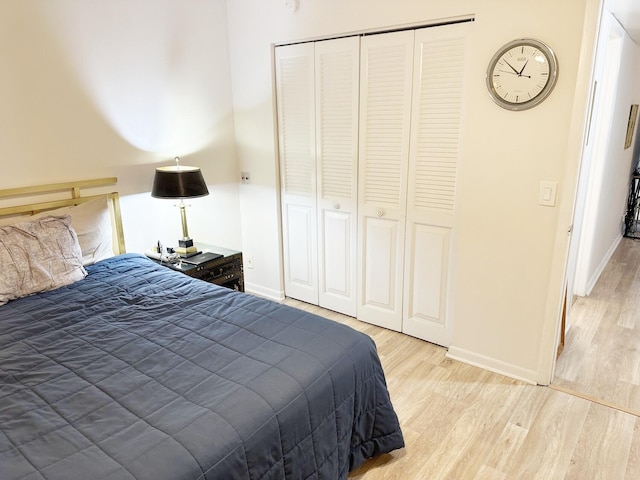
37	256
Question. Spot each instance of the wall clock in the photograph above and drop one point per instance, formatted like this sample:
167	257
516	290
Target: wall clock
522	74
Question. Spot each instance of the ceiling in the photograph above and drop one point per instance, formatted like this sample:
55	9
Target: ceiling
628	14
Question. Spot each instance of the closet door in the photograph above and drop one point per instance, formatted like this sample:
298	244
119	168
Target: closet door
385	111
337	84
434	164
295	95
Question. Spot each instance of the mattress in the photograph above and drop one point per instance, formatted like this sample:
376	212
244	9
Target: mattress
140	372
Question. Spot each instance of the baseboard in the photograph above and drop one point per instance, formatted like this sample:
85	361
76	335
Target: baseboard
493	365
275	295
603	264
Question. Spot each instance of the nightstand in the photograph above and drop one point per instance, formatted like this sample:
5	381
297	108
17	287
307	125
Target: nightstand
225	271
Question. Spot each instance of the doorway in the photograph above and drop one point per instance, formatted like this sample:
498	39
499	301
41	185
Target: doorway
596	254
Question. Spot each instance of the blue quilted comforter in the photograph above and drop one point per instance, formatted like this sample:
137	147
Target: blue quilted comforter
139	372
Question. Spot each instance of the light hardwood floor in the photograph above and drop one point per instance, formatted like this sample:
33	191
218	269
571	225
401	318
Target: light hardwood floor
461	422
601	357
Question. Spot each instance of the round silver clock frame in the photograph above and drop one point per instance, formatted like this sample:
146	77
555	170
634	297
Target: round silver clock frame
514	87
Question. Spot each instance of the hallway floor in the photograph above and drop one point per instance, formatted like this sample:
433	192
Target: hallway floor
601	358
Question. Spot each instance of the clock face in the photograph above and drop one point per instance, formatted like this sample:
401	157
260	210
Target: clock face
522	74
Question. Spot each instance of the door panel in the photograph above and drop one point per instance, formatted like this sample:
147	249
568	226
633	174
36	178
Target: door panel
385	116
301	271
338	292
426	282
337	64
434	165
382	261
295	95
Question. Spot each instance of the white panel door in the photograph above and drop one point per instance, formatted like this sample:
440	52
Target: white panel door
434	166
295	94
385	114
337	85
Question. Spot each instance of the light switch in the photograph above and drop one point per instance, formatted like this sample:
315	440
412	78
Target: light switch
547	195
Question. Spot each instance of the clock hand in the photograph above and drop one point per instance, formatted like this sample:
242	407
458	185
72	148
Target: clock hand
513	73
511	67
507	71
522	69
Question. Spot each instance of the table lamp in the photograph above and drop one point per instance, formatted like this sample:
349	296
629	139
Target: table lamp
180	181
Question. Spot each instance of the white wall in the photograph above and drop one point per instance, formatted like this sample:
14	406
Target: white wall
92	88
509	252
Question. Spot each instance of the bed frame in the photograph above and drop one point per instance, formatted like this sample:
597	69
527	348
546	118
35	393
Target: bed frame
71	193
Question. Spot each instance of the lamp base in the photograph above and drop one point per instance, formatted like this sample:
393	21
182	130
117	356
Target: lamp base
186	248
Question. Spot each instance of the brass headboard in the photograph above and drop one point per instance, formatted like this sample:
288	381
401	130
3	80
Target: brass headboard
64	190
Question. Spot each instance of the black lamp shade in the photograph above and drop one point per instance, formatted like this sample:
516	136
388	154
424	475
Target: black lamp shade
178	182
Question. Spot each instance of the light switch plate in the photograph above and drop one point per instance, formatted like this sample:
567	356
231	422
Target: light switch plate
547	194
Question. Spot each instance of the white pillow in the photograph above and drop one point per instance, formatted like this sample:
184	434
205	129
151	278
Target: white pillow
92	223
37	256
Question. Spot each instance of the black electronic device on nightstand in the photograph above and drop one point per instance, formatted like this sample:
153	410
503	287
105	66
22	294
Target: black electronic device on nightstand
202	258
218	265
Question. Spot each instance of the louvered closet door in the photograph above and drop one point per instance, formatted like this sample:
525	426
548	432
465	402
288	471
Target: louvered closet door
296	127
337	86
439	79
385	110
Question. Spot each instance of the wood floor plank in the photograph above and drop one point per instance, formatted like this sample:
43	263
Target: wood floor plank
604	444
547	449
633	461
509	442
484	441
488	473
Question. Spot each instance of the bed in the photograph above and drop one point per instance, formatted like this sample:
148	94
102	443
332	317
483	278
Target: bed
135	371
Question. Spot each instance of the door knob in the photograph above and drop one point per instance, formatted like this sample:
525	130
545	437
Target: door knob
336	206
380	212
